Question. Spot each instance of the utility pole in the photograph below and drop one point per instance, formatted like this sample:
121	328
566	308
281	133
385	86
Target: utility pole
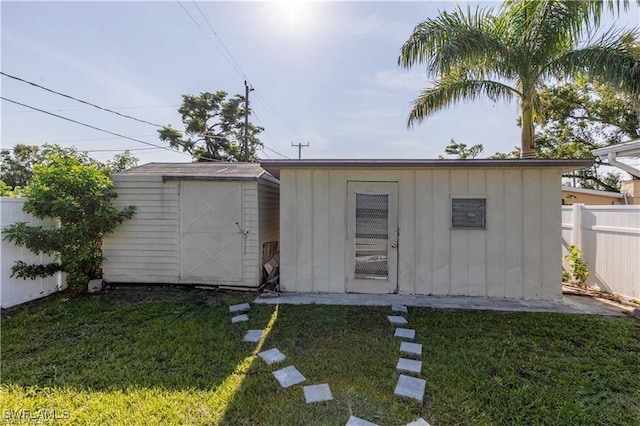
246	121
300	146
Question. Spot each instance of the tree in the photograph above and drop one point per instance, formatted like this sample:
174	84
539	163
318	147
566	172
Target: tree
214	128
78	195
17	164
580	117
461	151
511	53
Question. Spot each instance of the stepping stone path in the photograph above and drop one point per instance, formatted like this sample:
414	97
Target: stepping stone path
357	421
405	333
242	307
397	320
253	336
409	366
408	386
240	318
399	308
272	356
289	376
317	393
409	348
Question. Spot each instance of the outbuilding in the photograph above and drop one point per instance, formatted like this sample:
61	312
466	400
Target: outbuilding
433	227
196	223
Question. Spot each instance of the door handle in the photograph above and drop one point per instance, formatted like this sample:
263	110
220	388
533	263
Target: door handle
394	245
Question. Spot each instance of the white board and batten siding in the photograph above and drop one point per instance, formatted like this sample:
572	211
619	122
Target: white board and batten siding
517	255
189	228
609	237
15	291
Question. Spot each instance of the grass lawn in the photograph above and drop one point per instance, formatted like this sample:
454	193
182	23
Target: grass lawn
171	356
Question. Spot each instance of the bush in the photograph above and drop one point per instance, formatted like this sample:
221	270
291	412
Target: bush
78	195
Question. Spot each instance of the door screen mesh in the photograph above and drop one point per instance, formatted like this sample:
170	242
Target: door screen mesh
372	236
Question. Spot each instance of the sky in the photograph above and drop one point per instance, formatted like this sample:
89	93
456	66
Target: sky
323	73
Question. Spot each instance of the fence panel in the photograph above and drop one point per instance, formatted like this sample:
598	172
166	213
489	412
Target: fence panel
14	291
609	236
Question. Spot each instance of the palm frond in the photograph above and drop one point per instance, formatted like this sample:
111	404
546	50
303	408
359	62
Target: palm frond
454	39
452	89
614	59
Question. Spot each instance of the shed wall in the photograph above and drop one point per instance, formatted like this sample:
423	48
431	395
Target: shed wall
145	248
517	255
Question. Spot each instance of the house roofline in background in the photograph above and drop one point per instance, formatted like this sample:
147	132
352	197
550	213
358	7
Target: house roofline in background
593	192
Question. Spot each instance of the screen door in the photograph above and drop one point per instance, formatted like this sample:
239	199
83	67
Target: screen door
372	237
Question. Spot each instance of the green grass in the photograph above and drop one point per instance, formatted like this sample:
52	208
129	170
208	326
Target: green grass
171	356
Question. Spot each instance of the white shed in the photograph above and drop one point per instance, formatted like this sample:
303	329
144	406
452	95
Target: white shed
434	227
196	223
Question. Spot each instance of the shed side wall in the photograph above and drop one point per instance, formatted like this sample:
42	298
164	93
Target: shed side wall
269	214
145	248
250	276
517	255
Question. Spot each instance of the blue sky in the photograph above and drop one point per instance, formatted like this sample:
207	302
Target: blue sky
324	73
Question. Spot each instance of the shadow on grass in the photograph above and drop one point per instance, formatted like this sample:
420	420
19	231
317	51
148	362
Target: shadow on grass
165	338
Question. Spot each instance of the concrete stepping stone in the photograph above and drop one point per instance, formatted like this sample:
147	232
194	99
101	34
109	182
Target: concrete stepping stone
418	422
405	333
409	366
252	336
317	393
242	307
272	356
408	348
397	320
399	308
289	376
410	387
239	318
357	421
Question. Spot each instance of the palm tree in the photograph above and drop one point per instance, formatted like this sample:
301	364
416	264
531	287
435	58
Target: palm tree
511	54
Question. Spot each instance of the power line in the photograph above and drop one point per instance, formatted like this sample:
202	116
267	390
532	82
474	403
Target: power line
236	69
91	127
268	137
80	100
91	109
220	40
267	104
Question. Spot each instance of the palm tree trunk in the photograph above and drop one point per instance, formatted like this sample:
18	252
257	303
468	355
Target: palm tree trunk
528	149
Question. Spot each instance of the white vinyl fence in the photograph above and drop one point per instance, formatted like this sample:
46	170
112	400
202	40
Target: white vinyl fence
609	236
14	291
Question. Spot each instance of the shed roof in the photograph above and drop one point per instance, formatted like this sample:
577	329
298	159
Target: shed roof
200	171
274	166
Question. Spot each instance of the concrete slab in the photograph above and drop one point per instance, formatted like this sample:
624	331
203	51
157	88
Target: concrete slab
405	333
397	320
317	393
418	422
240	318
413	349
410	387
288	376
272	356
252	336
399	308
357	421
242	307
409	366
568	304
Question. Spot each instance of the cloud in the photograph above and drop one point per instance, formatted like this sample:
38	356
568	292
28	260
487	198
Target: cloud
374	25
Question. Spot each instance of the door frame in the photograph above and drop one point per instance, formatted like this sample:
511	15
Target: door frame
377	286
